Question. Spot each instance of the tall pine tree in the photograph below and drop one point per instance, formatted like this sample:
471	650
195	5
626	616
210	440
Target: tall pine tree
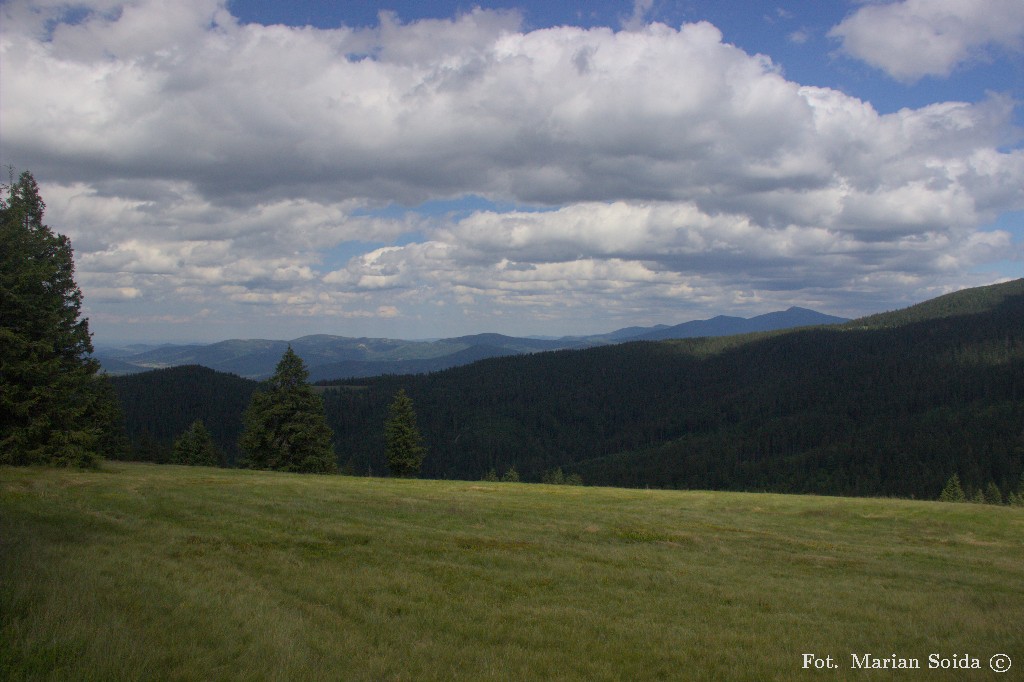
403	445
53	408
285	425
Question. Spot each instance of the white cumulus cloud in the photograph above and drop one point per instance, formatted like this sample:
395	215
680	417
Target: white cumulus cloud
199	164
909	39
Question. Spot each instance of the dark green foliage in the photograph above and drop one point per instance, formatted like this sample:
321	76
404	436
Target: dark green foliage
148	449
953	492
511	476
285	427
888	410
558	477
891	409
53	409
403	444
196	447
113	442
161	404
992	494
966	302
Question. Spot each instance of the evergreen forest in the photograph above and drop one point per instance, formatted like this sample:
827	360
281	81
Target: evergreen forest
893	405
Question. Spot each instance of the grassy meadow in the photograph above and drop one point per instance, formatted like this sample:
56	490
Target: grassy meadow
141	572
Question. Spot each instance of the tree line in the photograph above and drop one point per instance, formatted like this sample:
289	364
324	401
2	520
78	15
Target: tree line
279	424
894	409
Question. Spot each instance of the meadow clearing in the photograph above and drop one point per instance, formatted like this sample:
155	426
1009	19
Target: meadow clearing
139	571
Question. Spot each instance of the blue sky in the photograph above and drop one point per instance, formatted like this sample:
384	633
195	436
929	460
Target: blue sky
793	33
425	169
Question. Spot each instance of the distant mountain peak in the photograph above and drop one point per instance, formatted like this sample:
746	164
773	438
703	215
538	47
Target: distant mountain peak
364	356
728	325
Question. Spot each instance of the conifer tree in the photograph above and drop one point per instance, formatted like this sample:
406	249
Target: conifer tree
403	444
196	447
993	495
285	425
53	409
556	477
953	492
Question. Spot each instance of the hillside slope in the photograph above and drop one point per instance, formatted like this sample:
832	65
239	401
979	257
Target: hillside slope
958	303
160	405
879	409
893	410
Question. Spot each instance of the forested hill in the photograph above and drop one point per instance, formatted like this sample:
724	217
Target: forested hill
887	405
160	405
890	407
960	303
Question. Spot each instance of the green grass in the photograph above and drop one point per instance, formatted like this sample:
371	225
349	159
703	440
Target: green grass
160	572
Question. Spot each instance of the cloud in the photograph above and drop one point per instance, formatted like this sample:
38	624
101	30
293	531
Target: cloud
220	166
586	250
910	39
638	19
799	37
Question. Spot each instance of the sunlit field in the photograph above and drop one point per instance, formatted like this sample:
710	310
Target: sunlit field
160	572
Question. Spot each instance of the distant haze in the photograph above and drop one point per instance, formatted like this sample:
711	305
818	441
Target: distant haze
334	357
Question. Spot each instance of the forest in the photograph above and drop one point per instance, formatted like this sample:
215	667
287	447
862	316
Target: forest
892	404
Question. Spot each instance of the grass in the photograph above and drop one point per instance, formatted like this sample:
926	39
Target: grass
159	572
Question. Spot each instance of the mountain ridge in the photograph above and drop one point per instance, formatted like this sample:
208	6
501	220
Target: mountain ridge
337	357
881	406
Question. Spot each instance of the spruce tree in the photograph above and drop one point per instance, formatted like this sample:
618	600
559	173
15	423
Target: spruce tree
284	426
403	444
53	409
993	495
953	492
195	446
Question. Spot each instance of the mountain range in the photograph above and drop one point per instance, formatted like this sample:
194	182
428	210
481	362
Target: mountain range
891	404
338	357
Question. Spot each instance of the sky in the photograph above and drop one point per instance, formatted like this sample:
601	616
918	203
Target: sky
271	169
